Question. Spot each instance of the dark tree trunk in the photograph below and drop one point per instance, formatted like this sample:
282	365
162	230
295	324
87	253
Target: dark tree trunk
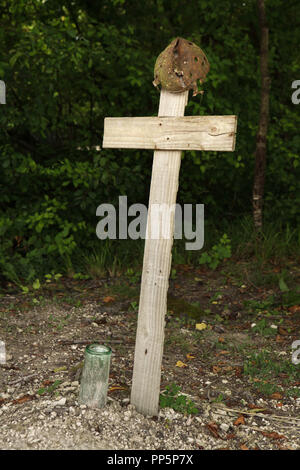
261	137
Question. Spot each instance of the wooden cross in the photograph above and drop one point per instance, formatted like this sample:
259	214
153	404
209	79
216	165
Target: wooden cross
168	134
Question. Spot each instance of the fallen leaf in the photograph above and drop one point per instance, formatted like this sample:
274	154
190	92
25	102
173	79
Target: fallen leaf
221	339
282	331
223	352
244	447
47	382
23	399
285	447
294	309
180	364
227	368
108	299
216	369
273	435
239	420
276	396
59	369
113	388
213	428
190	356
201	326
185	267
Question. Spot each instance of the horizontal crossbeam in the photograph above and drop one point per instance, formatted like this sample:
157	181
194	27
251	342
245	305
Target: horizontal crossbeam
171	133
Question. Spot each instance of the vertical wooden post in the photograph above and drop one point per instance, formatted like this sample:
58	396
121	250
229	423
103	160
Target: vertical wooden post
156	270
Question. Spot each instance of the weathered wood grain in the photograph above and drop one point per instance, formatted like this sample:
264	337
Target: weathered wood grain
156	270
171	133
168	134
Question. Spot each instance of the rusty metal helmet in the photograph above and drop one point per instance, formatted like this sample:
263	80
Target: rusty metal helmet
180	66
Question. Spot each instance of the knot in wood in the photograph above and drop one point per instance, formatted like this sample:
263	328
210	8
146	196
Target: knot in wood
180	66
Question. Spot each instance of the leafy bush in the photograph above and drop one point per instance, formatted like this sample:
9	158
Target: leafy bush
68	65
217	254
171	398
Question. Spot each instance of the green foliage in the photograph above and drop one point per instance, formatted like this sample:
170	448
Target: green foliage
171	398
50	389
36	284
217	254
68	65
220	398
173	273
292	297
53	276
134	306
282	285
262	327
80	276
57	322
133	276
267	372
258	306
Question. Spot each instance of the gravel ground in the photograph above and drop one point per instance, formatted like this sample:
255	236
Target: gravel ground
40	353
63	424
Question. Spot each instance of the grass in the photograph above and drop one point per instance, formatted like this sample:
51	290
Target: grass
58	323
268	374
125	291
179	341
186	311
275	243
50	389
264	328
251	257
261	260
172	398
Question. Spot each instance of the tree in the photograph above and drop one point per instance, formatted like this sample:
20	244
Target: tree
261	137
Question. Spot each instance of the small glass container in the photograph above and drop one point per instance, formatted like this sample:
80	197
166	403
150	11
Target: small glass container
2	353
95	374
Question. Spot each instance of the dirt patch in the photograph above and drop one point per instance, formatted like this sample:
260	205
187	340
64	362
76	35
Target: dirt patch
45	337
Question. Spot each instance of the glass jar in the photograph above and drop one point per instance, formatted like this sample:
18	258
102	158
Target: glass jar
95	374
